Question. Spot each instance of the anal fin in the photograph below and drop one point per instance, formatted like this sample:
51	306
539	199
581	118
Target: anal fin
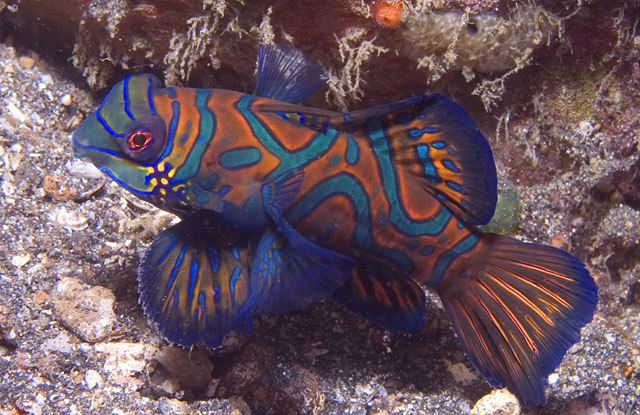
383	296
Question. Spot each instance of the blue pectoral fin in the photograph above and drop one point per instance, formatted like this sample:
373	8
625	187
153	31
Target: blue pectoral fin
286	74
383	296
279	193
288	271
193	281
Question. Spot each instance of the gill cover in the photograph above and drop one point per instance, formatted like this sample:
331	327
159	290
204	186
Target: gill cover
125	136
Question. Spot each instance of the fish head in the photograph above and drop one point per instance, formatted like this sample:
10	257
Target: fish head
125	137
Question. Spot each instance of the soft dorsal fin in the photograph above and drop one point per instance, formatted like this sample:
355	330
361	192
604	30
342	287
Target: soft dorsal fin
432	141
287	74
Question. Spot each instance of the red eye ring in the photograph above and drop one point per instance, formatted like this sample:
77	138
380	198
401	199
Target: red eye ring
139	140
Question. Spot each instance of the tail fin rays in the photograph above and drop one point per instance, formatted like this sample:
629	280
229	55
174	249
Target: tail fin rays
518	310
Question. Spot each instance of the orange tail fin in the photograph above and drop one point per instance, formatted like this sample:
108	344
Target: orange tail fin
517	308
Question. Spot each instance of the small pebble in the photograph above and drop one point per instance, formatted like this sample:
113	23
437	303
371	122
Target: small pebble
86	311
16	112
27	62
66	100
92	378
20	261
553	378
71	220
46	78
498	402
83	169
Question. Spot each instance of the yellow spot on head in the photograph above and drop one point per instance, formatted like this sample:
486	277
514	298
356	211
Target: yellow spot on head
163	191
172	173
153	182
161	167
164	181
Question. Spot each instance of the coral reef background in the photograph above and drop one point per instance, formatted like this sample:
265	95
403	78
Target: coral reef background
553	85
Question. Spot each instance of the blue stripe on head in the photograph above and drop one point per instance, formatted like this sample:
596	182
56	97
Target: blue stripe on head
125	96
102	150
123	184
105	125
150	96
173	125
206	130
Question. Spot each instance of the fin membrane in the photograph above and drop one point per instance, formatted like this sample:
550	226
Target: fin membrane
442	147
193	280
383	296
287	74
517	309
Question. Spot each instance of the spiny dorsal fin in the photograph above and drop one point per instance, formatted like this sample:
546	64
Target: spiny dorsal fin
287	74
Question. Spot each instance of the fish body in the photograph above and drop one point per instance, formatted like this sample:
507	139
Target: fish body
283	205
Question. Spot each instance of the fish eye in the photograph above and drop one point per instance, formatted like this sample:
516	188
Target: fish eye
145	139
138	140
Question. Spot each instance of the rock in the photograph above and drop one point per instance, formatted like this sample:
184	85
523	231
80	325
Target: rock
86	311
173	407
184	369
27	62
125	361
461	373
498	402
62	343
66	100
92	378
20	261
73	220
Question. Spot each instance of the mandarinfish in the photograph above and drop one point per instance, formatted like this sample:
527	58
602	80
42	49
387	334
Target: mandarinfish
283	205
